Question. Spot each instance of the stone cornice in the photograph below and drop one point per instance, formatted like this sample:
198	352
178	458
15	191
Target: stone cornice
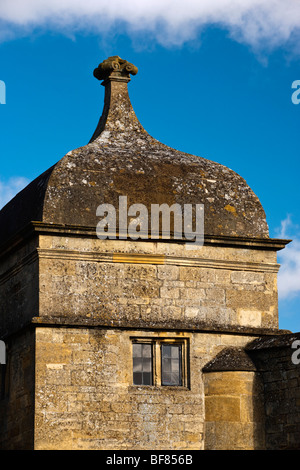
140	325
144	258
41	228
187	326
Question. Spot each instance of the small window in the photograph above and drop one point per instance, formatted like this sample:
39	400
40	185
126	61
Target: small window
142	364
171	364
160	361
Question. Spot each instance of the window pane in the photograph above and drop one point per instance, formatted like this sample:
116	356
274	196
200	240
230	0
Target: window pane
166	365
142	364
147	350
166	378
137	378
171	364
166	351
137	364
147	378
175	379
137	350
147	364
175	351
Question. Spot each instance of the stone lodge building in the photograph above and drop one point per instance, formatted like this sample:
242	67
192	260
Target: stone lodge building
124	343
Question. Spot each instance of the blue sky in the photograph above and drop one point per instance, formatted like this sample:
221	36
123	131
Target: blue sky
215	80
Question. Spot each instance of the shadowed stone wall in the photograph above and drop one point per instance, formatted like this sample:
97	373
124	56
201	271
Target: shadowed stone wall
17	384
279	364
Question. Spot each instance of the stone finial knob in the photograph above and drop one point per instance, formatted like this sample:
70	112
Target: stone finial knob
115	68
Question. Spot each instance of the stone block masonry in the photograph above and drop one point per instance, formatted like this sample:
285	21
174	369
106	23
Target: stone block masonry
222	287
89	299
234	418
85	397
281	379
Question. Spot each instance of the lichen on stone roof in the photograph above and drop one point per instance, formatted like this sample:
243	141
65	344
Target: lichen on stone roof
123	159
230	359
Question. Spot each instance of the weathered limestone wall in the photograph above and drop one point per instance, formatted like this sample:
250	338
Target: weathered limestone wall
84	289
234	412
17	397
85	397
157	283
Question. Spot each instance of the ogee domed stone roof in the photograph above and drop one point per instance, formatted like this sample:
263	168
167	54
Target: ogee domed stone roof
122	159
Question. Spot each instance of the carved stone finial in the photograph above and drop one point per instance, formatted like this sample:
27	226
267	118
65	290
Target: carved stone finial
115	68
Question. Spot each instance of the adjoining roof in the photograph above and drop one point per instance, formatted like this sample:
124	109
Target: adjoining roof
230	359
122	159
273	342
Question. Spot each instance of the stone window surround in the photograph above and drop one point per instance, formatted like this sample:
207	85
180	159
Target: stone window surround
157	343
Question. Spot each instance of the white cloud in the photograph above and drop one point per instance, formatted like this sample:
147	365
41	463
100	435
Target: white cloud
268	22
9	188
289	258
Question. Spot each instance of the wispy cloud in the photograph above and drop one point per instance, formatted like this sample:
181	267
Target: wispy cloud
289	258
9	188
267	22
